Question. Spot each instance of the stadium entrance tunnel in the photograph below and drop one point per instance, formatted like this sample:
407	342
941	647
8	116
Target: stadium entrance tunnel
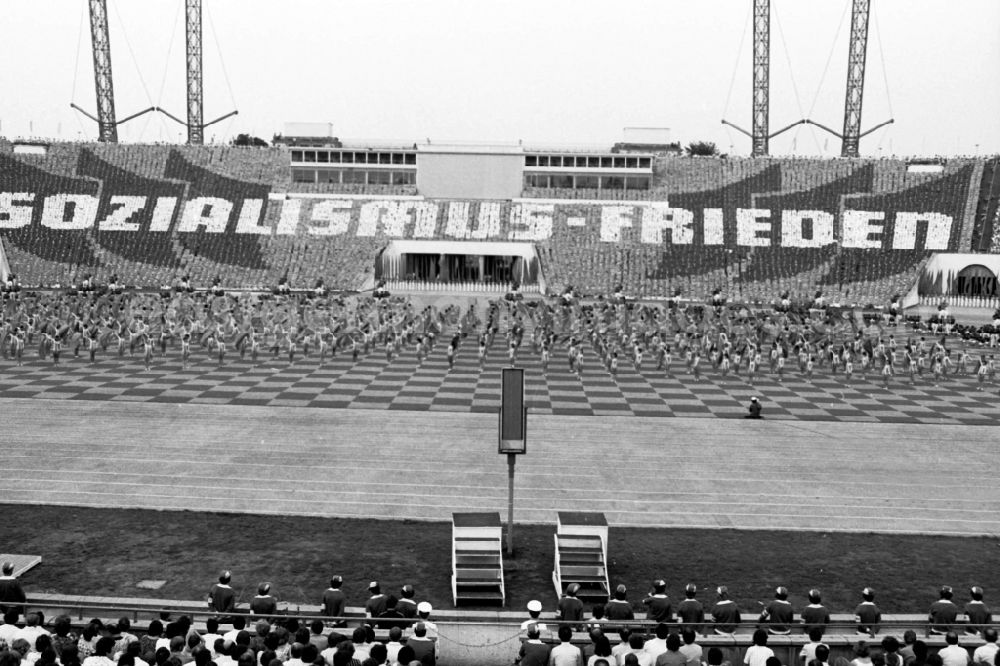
485	263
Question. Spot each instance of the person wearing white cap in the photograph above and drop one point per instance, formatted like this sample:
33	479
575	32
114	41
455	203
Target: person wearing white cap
977	614
377	602
534	612
867	614
334	601
754	409
424	610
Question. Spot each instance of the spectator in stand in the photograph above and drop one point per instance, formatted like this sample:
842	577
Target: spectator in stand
221	597
673	656
943	612
619	608
867	615
239	624
317	634
376	603
32	629
659	608
862	655
619	650
977	614
808	651
147	642
8	628
716	657
102	652
758	653
11	593
570	608
987	653
822	656
906	652
602	650
597	619
21	648
133	650
636	649
690	611
334	601
534	612
533	651
407	606
424	610
391	617
815	615
62	635
890	651
725	613
565	654
88	640
123	636
952	654
422	644
778	614
658	645
264	603
691	649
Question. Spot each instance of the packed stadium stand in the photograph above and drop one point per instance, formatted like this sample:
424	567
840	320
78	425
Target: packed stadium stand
857	229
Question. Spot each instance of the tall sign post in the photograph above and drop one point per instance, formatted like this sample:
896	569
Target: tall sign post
513	435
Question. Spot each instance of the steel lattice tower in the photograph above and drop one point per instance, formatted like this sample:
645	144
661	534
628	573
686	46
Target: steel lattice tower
855	78
103	83
195	100
761	74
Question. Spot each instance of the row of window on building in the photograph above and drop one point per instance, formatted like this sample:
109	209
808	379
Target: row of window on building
327	156
589	161
354	176
586	182
390	177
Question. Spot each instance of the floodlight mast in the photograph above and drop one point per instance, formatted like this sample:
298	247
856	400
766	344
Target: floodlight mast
107	128
760	136
761	75
195	98
850	139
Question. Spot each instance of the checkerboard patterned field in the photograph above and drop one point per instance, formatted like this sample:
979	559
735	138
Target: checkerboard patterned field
374	383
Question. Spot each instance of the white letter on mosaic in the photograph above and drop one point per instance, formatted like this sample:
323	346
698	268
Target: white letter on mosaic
83	216
14	214
249	215
532	222
330	217
904	235
858	229
288	222
122	210
715	233
793	223
656	218
163	212
613	219
748	229
209	212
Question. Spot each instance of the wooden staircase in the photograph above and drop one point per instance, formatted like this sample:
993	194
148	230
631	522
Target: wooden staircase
581	555
477	558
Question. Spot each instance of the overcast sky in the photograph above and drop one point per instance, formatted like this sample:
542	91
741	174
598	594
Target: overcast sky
542	71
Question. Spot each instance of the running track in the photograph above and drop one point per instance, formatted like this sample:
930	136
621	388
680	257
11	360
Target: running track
692	472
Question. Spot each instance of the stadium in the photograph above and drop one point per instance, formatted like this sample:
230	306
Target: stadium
455	402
